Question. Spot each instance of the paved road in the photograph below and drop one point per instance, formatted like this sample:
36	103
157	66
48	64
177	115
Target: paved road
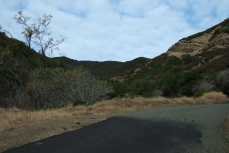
182	129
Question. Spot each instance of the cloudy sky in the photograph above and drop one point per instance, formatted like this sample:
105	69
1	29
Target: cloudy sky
117	30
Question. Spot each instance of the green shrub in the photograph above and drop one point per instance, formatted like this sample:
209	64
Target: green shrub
226	30
141	87
186	59
207	59
79	102
199	93
119	89
194	36
227	65
178	82
173	60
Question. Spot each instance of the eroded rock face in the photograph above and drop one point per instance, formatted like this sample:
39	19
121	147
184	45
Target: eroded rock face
200	43
220	41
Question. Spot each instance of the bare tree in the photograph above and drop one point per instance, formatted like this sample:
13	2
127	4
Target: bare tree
43	36
222	81
223	76
204	86
56	87
28	29
38	32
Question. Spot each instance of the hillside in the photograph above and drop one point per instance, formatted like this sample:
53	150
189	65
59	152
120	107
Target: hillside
106	69
32	81
213	38
191	67
194	65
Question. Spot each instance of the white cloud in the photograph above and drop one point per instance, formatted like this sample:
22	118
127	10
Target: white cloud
178	4
118	30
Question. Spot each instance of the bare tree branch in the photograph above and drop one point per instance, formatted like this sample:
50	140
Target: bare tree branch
28	29
38	32
5	31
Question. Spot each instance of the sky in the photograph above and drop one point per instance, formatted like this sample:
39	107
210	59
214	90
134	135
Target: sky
116	30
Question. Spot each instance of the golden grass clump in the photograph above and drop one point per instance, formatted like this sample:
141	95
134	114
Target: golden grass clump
211	97
184	100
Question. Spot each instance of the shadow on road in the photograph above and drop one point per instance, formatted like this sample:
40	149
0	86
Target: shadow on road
120	135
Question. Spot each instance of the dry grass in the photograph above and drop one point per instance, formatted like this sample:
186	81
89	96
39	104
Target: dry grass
211	97
18	127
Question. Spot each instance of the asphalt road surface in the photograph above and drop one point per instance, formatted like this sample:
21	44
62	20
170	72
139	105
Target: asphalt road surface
182	129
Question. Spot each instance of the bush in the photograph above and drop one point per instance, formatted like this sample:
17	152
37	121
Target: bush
173	60
203	86
79	102
186	59
199	93
157	93
227	65
222	81
119	89
176	82
169	84
141	87
56	88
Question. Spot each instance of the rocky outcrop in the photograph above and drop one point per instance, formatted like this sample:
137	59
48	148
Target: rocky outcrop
212	40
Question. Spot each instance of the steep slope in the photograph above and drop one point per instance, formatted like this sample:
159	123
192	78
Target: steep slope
191	66
211	39
208	49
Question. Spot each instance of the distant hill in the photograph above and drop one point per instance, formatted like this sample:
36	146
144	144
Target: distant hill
106	69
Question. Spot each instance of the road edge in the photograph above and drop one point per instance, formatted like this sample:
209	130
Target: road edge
226	133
